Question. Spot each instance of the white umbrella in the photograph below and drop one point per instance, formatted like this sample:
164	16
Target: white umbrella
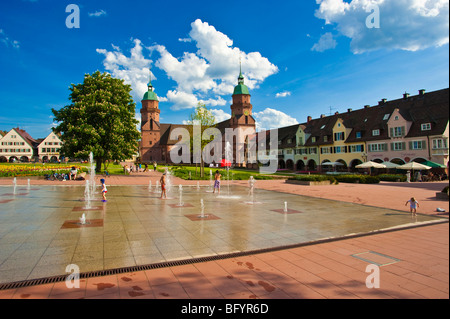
390	165
414	166
370	164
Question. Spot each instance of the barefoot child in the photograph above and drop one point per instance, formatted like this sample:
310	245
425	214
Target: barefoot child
162	181
217	182
413	205
104	190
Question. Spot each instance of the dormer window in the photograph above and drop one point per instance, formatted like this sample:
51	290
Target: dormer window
358	134
426	126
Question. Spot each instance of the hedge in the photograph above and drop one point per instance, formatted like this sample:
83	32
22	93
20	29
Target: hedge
392	177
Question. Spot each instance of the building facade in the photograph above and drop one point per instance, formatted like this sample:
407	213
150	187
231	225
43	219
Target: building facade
413	128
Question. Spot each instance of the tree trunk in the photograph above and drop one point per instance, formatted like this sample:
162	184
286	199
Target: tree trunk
98	165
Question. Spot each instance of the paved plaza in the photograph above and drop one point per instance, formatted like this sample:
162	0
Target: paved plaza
311	250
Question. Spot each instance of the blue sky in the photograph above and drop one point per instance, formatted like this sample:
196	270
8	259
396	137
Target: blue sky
299	58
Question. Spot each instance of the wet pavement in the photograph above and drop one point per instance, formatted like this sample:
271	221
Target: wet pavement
40	231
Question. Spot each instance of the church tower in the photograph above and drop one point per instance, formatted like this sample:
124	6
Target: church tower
150	126
241	109
242	121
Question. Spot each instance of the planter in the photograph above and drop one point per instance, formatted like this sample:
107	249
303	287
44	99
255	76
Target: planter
308	183
441	196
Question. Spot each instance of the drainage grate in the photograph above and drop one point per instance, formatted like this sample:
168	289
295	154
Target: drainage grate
115	271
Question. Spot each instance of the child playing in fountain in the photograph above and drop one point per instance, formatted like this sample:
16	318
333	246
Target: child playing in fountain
413	205
162	181
217	182
104	190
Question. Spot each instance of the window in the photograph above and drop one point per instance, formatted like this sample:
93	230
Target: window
325	138
397	131
398	146
377	147
325	150
426	126
357	148
313	139
417	145
375	132
358	134
289	141
322	127
386	117
339	149
439	143
313	150
339	136
396	118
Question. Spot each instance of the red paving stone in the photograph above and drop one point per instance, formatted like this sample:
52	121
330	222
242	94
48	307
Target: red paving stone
320	271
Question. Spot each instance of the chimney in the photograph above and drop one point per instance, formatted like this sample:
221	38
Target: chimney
422	92
336	113
382	101
405	95
322	116
349	110
366	106
308	119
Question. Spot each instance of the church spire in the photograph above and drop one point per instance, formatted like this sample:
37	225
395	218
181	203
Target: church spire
150	95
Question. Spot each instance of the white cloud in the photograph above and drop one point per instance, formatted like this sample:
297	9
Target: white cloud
97	13
203	76
214	68
404	24
134	70
283	94
270	118
326	42
220	115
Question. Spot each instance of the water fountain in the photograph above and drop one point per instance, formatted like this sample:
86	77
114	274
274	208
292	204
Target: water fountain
198	185
180	190
228	159
211	185
28	184
91	174
168	181
83	219
202	212
285	207
14	185
150	186
87	195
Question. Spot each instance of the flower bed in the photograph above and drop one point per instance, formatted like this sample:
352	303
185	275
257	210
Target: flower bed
16	170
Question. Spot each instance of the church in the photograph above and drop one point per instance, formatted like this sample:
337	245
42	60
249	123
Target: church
156	138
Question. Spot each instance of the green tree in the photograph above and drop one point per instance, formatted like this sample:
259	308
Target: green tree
203	116
100	119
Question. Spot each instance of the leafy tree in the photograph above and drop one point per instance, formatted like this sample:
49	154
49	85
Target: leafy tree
203	116
100	119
